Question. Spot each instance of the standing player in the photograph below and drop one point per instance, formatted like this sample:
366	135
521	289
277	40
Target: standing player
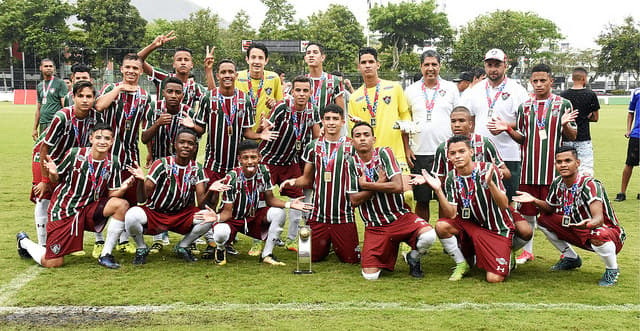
586	220
296	120
50	93
541	123
79	72
250	207
431	100
326	168
88	193
475	209
325	88
633	147
586	103
375	185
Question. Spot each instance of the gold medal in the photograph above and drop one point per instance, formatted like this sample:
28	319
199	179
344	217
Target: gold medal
466	213
229	131
566	220
542	133
127	125
373	122
252	211
298	145
429	117
327	176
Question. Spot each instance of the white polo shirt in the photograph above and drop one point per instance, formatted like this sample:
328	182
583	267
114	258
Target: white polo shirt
431	132
505	107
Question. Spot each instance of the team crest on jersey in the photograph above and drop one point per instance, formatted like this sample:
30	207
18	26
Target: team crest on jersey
505	95
501	260
387	99
268	90
193	180
55	248
442	93
81	158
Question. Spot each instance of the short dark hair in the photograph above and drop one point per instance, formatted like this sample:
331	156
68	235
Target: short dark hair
247	144
478	72
316	44
46	59
78	86
183	49
101	126
429	53
461	109
566	148
332	108
80	67
368	50
299	79
541	68
259	46
361	123
459	138
171	79
188	131
578	72
132	57
223	61
279	71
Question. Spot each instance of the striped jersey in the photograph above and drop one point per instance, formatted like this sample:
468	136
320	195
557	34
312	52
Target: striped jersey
483	151
245	192
382	208
36	147
538	149
222	115
325	90
331	178
82	181
295	129
125	114
67	101
66	131
258	90
175	184
162	141
193	92
575	200
472	192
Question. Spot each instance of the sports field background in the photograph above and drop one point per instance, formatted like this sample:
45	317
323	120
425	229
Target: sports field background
168	293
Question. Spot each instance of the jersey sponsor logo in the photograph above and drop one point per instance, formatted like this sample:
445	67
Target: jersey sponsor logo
505	95
387	99
55	248
268	90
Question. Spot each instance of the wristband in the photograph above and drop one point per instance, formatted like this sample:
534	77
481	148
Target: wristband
509	129
287	204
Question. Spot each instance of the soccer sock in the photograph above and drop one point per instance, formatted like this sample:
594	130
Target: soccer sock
372	276
156	237
425	240
561	245
197	230
220	234
124	237
294	220
277	217
532	223
116	227
134	221
450	245
40	214
517	243
607	252
35	250
99	236
209	236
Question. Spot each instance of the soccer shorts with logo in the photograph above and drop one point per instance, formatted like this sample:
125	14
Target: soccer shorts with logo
281	173
343	237
580	237
256	227
180	222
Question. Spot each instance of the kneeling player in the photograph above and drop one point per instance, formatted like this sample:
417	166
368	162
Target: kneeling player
587	219
169	189
88	192
476	209
375	184
245	211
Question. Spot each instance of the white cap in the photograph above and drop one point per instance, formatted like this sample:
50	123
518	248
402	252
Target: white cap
495	54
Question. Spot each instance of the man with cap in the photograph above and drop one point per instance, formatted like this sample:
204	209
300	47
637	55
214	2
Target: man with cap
463	81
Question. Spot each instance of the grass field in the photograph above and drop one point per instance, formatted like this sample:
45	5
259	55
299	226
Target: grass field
166	293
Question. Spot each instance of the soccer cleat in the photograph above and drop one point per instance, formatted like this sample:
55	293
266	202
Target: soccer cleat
272	260
279	242
620	197
184	253
415	269
78	253
256	249
209	253
97	249
221	256
108	261
567	263
126	247
231	250
609	277
194	249
461	269
291	245
156	247
165	239
524	257
21	251
141	256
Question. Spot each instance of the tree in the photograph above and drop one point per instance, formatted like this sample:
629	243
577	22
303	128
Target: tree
518	34
200	30
620	49
231	38
278	17
406	24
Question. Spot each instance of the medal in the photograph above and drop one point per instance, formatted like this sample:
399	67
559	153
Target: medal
541	118
491	103
298	145
466	213
44	100
490	113
229	131
372	108
327	176
428	117
430	101
46	91
229	114
567	203
542	134
566	220
373	122
252	211
127	125
466	195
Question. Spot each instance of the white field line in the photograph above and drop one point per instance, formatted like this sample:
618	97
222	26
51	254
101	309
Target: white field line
345	306
7	291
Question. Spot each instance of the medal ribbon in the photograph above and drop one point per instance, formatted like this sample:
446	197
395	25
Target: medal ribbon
46	91
76	130
569	196
328	161
491	103
252	192
298	125
541	118
464	194
317	89
369	169
254	100
134	105
374	108
229	115
184	185
430	101
96	183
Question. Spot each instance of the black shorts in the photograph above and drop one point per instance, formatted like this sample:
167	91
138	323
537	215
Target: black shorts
422	193
633	152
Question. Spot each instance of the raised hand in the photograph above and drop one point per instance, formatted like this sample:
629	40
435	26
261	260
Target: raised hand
270	102
523	197
298	204
164	119
568	117
163	39
268	135
289	182
434	182
187	121
417	179
209	59
220	186
206	216
136	171
497	126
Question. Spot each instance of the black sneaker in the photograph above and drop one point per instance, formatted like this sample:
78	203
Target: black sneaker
194	249
21	251
567	263
108	261
221	256
620	197
231	250
415	269
141	256
209	253
184	253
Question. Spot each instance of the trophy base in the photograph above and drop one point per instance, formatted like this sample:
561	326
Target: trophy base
303	272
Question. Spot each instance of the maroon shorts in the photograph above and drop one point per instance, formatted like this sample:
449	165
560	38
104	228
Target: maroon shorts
580	237
538	192
381	243
131	195
180	222
343	237
281	173
492	251
65	236
37	175
256	226
214	175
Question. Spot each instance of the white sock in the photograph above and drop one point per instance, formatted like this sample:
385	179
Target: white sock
197	230
124	237
156	237
134	221
116	227
607	252
99	236
532	223
294	221
425	240
209	236
36	251
276	217
40	215
220	235
372	276
450	245
561	245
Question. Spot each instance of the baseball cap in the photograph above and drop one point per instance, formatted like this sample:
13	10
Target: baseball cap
467	75
495	54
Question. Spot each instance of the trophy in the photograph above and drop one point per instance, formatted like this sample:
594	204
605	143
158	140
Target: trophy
304	249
